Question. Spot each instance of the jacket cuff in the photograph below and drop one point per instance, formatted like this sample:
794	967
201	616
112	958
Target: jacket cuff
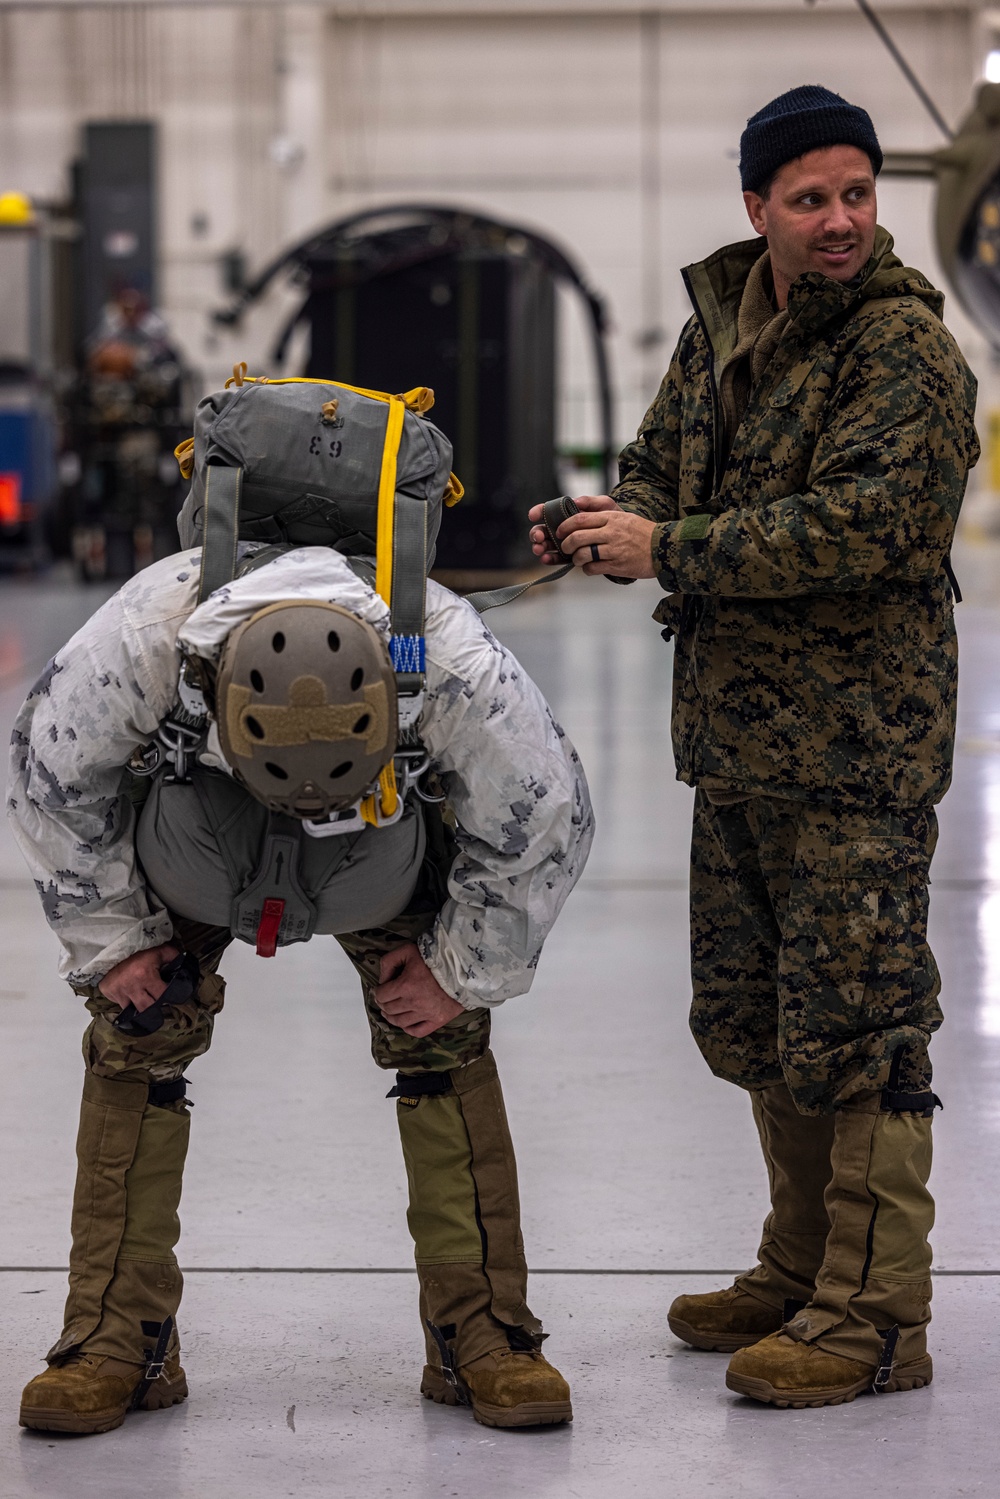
153	931
668	547
663	553
444	963
430	947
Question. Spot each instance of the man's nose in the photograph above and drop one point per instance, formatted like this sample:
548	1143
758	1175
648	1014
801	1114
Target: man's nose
838	220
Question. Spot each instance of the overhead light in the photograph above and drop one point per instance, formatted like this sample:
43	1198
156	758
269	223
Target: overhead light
991	72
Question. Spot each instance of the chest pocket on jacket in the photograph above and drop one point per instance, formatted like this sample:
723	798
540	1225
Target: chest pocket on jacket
789	387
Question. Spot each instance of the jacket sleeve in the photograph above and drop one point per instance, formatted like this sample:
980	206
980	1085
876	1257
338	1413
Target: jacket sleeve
889	466
520	798
94	703
649	468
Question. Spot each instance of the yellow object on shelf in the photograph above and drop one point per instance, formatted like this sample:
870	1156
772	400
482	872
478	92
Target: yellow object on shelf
16	210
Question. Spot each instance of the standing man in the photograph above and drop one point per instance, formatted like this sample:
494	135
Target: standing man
794	487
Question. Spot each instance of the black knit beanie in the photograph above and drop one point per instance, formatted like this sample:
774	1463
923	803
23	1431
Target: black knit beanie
802	120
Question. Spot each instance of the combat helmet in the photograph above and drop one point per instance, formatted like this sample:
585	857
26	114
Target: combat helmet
306	708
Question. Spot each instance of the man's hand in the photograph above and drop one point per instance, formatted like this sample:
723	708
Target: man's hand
410	996
623	541
136	980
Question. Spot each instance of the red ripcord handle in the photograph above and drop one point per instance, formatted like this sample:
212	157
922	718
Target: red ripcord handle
270	925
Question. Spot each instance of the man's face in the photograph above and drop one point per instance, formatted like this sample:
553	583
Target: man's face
818	216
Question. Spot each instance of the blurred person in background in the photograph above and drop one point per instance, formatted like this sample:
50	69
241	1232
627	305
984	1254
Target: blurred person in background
127	414
794	488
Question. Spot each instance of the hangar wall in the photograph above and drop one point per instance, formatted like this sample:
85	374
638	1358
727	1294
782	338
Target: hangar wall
612	129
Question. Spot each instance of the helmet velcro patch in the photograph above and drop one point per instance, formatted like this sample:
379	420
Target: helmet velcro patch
307	716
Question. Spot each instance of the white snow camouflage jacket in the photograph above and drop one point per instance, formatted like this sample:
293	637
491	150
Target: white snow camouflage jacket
513	779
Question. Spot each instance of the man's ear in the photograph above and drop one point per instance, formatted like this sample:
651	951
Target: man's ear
756	211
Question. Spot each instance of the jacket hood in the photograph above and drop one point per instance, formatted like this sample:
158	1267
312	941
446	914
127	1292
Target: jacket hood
715	287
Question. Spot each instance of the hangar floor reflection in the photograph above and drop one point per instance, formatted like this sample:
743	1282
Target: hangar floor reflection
640	1174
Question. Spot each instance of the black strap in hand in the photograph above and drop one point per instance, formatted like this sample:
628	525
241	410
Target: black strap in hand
182	976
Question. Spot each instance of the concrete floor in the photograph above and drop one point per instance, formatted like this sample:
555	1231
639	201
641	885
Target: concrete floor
640	1173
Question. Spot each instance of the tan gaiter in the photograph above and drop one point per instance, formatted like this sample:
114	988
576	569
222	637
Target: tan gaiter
876	1272
464	1215
123	1270
797	1151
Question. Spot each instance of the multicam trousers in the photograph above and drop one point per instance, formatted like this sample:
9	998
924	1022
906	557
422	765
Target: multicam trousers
809	954
463	1209
187	1029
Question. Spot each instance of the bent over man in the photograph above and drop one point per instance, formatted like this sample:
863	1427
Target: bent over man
794	487
254	837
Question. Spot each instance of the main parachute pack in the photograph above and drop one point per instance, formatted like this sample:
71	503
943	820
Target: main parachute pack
319	463
276	464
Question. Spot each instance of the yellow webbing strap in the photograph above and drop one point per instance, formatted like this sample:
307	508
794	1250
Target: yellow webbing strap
184	453
420	398
387	499
388	796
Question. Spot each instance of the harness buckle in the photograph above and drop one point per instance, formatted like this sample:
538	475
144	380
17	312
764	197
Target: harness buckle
181	744
145	760
411	765
347	821
190	692
409	706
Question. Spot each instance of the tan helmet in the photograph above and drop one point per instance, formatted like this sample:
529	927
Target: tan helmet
306	706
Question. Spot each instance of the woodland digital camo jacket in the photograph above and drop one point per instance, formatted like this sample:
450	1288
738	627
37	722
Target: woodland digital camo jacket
815	643
513	779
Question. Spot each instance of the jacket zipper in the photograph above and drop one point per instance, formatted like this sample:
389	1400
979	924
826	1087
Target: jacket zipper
712	385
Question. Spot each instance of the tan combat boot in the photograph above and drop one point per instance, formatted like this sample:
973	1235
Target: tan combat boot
779	1371
866	1324
124	1284
482	1340
88	1393
509	1387
796	1150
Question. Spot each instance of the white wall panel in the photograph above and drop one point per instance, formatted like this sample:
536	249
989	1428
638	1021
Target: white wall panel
615	131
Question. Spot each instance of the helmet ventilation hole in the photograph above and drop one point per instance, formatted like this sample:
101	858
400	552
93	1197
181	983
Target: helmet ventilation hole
277	642
254	727
362	723
276	770
333	640
256	681
341	769
357	677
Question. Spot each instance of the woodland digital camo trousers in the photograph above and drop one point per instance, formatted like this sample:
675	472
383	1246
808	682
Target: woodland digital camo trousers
809	954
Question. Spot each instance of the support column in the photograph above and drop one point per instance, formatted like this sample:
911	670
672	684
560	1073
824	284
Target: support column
300	148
